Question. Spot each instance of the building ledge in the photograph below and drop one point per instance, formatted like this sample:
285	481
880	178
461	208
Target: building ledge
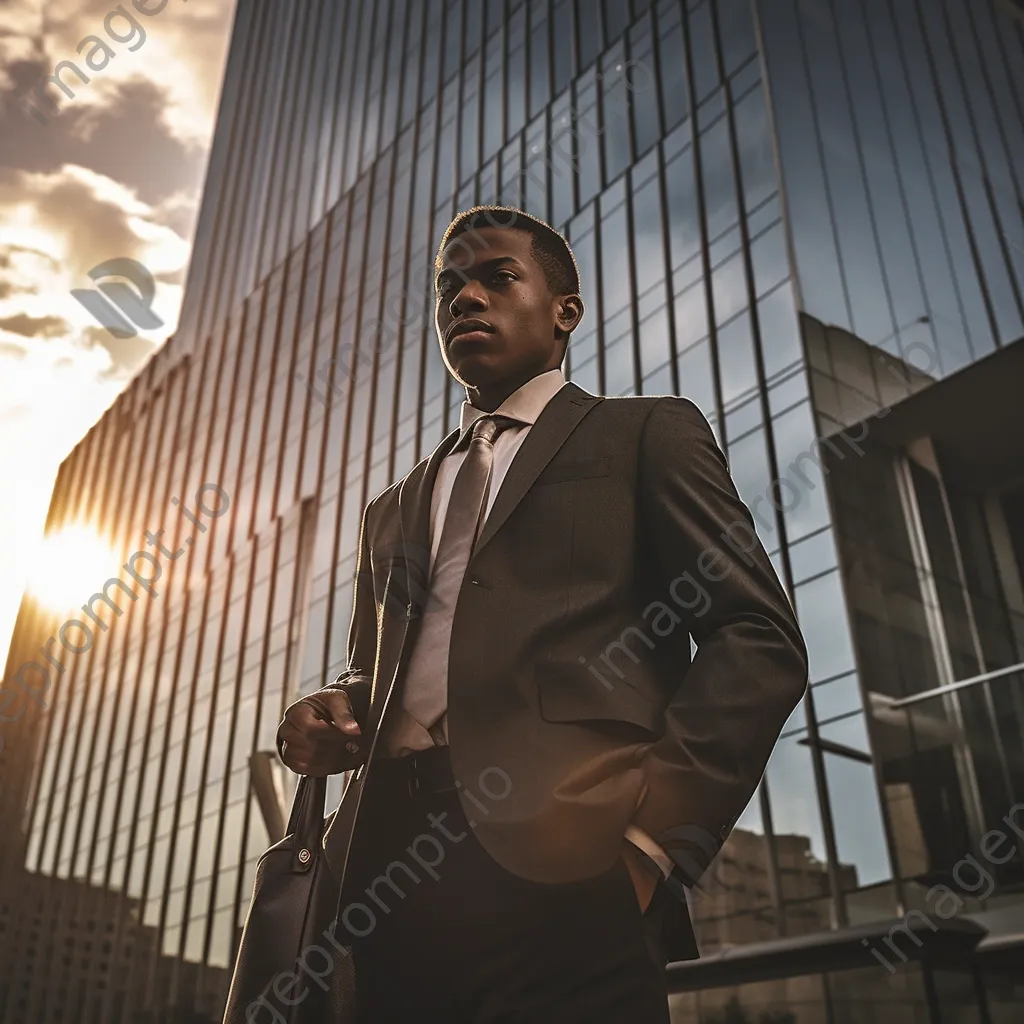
915	937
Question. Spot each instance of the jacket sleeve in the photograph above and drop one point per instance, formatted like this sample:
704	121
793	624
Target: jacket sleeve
357	678
727	709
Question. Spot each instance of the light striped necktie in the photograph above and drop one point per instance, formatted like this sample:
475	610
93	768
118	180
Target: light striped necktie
427	701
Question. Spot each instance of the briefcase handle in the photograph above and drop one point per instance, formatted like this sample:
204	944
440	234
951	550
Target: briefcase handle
306	822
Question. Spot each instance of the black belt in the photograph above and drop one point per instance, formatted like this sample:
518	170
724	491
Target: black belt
421	773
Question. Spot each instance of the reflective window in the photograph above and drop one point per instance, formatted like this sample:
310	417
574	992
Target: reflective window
445	170
717	176
493	91
615	112
780	332
474	25
748	463
516	84
588	32
769	258
560	158
811	220
615	279
860	838
821	609
433	67
537	158
691	315
588	127
683	215
642	87
618	365
616	18
470	104
802	498
799	836
736	364
756	156
702	50
672	78
736	31
411	61
561	42
729	288
696	377
540	57
655	348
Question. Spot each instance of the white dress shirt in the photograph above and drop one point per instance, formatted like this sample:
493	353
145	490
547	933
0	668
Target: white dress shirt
404	734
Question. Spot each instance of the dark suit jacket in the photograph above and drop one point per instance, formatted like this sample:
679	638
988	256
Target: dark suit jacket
616	534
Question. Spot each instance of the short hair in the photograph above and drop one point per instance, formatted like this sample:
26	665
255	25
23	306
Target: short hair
549	249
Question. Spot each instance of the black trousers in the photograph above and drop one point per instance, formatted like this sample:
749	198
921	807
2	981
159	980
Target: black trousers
442	933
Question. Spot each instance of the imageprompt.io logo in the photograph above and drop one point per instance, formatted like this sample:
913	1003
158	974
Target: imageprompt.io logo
121	309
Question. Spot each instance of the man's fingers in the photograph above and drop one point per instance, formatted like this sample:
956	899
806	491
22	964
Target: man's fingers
321	737
302	758
341	710
303	719
293	735
303	735
302	716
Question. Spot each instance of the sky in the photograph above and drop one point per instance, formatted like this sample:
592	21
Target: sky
115	171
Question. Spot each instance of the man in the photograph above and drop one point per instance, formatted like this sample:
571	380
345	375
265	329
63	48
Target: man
543	767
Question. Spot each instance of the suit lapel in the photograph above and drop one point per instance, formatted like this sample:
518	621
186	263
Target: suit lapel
415	493
408	575
546	436
557	421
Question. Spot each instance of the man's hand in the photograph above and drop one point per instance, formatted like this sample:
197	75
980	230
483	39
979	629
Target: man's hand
310	745
643	871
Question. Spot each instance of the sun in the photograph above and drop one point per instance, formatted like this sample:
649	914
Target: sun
71	565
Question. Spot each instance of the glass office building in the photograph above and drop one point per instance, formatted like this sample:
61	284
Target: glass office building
806	216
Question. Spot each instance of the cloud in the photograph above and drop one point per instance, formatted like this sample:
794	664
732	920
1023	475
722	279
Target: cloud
127	355
117	173
54	228
179	211
182	56
88	217
18	268
9	255
34	326
10	351
145	121
20	34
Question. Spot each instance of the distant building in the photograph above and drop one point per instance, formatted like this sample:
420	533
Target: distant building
81	943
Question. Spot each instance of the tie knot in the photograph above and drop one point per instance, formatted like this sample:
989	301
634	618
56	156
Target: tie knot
489	427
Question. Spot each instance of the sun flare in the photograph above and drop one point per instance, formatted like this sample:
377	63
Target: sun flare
71	566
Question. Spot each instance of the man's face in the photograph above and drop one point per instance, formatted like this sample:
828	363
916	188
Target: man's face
496	320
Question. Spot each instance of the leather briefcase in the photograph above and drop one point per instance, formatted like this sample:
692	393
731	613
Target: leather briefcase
294	965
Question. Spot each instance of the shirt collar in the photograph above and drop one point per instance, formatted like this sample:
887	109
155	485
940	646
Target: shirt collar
525	404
